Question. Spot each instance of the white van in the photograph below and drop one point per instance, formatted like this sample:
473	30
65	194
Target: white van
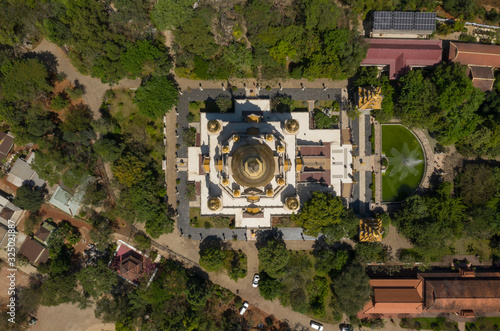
244	308
316	326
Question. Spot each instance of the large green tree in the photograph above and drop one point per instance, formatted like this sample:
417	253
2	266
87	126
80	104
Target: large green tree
273	258
212	258
97	280
24	80
322	211
352	289
156	96
28	198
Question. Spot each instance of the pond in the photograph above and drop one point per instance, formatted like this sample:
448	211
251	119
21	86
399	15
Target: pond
405	163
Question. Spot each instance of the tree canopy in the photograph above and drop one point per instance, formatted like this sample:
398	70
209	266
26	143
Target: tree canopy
323	211
28	198
156	96
273	258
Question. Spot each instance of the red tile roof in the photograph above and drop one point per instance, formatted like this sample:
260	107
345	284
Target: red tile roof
395	296
401	53
132	265
34	251
475	54
480	294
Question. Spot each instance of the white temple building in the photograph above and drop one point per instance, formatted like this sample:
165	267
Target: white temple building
250	164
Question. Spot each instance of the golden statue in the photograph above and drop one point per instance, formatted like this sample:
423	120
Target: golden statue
281	181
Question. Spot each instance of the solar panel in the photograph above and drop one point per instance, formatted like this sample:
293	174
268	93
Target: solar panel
404	21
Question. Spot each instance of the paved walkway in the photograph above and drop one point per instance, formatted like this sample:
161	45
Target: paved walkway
429	157
94	88
363	164
377	163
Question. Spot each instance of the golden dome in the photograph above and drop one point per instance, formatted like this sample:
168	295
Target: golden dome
292	126
281	181
225	149
269	137
236	193
280	148
213	126
214	204
269	192
236	138
225	182
253	165
292	203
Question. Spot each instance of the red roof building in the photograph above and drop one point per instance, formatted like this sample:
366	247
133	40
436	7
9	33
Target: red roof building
466	294
132	265
481	60
395	296
402	54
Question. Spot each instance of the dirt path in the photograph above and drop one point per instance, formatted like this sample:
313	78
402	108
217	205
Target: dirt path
94	88
68	317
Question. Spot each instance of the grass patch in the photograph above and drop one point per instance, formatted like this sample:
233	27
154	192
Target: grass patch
372	186
372	139
301	105
400	146
483	323
135	126
207	222
429	323
474	246
283	222
194	111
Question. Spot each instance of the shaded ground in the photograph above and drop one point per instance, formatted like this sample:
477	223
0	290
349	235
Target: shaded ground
94	88
22	280
68	317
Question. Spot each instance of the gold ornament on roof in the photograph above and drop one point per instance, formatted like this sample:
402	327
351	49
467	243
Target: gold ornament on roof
292	203
225	182
269	137
269	192
236	193
236	138
280	149
292	126
214	204
213	126
281	181
225	149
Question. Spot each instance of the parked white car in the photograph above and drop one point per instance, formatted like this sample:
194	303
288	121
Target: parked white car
244	308
316	326
256	279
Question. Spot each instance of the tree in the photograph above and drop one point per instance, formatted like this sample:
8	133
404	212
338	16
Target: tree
367	76
212	259
59	102
24	80
327	260
352	289
142	241
283	104
321	211
28	198
224	103
168	14
129	170
97	280
477	184
109	150
269	288
273	258
156	96
144	58
60	289
371	252
159	224
323	121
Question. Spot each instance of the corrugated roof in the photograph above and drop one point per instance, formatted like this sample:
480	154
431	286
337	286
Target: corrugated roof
401	53
475	54
454	294
6	143
34	251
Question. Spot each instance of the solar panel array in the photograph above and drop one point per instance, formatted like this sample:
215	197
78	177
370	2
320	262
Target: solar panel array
404	21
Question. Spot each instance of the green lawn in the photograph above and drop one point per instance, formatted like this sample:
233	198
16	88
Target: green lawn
198	221
194	110
429	323
301	105
405	156
483	323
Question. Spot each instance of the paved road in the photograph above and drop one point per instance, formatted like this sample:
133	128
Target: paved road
183	110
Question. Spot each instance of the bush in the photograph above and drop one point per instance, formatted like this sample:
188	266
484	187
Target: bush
59	102
156	96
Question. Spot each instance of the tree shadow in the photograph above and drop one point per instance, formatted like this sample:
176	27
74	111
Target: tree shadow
47	58
211	241
264	236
